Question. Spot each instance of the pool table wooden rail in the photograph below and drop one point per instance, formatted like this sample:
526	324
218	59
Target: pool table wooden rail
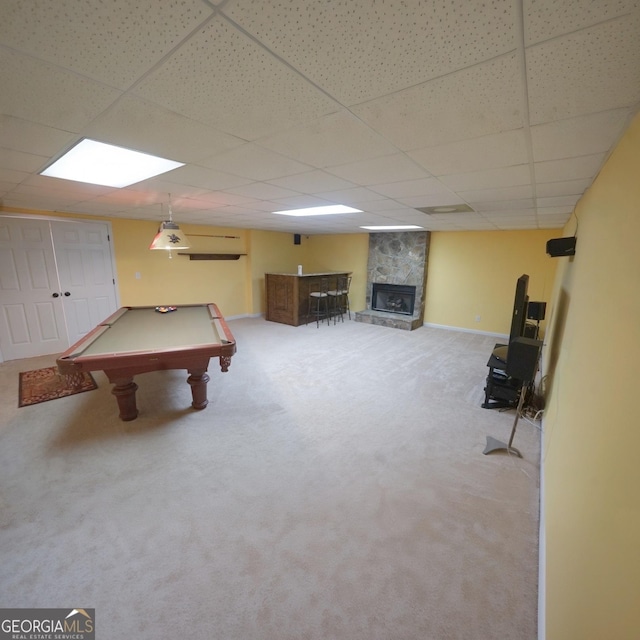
120	367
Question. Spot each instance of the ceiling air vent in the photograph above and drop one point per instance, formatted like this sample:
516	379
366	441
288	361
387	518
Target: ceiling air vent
446	208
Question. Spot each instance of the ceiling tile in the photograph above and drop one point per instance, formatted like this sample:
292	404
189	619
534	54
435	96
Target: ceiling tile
546	19
569	168
140	125
255	163
496	195
31	137
78	35
261	95
551	220
77	190
412	188
32	200
20	161
263	191
570	187
338	138
504	205
466	104
383	205
589	71
579	136
557	201
398	44
71	100
353	197
505	177
488	152
12	176
196	176
394	168
224	198
554	210
165	188
313	182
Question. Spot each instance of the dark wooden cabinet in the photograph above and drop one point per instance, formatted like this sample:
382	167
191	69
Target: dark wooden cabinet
287	295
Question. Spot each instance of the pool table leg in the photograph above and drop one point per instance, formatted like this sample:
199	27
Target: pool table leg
198	379
125	393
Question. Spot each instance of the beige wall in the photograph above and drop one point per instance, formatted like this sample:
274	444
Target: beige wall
472	274
591	432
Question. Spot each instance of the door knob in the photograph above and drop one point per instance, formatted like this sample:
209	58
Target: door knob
67	293
55	295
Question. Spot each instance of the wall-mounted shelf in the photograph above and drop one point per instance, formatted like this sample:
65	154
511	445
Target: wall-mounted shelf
202	255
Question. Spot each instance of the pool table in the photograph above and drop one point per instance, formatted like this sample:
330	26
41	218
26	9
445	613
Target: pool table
138	340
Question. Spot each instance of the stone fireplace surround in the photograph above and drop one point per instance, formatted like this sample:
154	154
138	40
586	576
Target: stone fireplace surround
397	258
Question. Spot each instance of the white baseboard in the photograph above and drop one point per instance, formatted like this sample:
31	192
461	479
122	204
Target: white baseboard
245	315
542	549
502	336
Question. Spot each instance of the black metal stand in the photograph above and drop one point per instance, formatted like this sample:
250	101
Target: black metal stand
501	391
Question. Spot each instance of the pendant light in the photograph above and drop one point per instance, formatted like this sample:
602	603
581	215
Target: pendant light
169	236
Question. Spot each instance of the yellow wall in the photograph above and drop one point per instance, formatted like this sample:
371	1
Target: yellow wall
591	432
271	252
152	278
342	252
470	274
473	274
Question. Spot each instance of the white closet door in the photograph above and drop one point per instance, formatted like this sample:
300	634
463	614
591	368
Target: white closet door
86	274
31	309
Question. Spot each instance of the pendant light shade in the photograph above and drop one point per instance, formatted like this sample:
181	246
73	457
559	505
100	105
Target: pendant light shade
169	236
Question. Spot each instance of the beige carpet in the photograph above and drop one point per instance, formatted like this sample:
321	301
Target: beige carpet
335	488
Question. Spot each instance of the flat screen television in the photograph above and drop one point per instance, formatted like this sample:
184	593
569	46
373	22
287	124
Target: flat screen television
519	313
518	316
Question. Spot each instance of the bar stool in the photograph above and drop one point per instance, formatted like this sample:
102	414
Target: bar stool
340	298
319	301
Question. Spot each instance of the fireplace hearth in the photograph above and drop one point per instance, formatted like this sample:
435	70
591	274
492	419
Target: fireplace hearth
393	298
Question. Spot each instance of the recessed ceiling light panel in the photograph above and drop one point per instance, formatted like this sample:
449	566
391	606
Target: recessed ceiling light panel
104	164
319	211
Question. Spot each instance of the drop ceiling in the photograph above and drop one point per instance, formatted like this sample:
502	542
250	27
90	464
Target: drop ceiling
389	106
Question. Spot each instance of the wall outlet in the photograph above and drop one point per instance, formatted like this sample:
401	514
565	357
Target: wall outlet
478	318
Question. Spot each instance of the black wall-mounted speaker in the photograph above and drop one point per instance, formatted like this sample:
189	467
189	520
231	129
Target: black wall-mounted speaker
536	310
296	238
558	247
522	358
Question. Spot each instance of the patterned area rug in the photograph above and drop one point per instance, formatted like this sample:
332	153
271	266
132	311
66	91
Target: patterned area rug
41	385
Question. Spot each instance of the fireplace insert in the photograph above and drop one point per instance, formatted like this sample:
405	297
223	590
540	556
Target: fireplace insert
393	298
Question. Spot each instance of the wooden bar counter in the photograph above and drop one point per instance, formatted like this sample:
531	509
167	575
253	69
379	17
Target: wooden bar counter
288	294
